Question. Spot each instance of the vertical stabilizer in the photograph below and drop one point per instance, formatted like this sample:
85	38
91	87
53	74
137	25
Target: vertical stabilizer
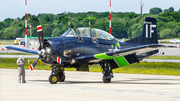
149	33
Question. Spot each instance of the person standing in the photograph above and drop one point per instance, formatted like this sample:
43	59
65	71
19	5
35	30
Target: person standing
21	70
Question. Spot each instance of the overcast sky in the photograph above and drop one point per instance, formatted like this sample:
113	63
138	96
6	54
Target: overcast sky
16	8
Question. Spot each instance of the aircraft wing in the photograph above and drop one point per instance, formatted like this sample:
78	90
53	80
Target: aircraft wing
121	56
23	50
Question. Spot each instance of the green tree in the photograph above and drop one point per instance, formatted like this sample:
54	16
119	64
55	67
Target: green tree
171	24
105	14
1	34
135	30
21	25
15	22
160	26
47	30
92	20
56	32
76	23
155	10
64	29
131	15
7	22
8	33
17	31
165	10
1	26
46	19
171	9
176	32
79	18
163	19
123	24
118	29
176	16
63	19
34	32
34	21
166	33
103	26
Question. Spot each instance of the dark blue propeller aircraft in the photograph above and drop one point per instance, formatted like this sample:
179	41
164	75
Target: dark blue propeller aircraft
85	46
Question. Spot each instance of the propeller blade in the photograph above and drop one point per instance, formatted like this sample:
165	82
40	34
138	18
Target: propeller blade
40	36
31	67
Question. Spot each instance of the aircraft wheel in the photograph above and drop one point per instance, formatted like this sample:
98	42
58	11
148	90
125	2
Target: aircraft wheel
61	78
107	80
53	79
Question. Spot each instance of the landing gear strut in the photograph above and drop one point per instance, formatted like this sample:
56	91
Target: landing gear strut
107	72
57	75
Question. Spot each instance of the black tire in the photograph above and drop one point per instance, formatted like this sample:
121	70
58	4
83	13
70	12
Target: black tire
53	79
61	78
107	80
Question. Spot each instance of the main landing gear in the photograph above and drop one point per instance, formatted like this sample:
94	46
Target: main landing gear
107	72
57	75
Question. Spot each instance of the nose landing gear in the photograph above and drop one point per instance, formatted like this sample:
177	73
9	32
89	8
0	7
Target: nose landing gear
57	75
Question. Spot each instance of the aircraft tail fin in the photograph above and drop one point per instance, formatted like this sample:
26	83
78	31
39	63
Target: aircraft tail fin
149	33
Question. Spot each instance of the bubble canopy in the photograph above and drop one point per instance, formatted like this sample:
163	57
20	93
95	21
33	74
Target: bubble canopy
88	33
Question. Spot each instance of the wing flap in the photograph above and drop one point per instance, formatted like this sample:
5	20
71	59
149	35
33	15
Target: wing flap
124	52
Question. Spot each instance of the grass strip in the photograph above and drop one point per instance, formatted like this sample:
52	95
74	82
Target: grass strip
6	40
153	68
165	57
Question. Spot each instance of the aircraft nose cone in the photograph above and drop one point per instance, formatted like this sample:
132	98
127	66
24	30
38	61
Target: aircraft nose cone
39	52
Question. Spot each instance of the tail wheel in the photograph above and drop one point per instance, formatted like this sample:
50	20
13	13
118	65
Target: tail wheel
53	79
107	80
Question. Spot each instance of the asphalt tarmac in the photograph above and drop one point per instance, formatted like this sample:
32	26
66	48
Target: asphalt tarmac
85	86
